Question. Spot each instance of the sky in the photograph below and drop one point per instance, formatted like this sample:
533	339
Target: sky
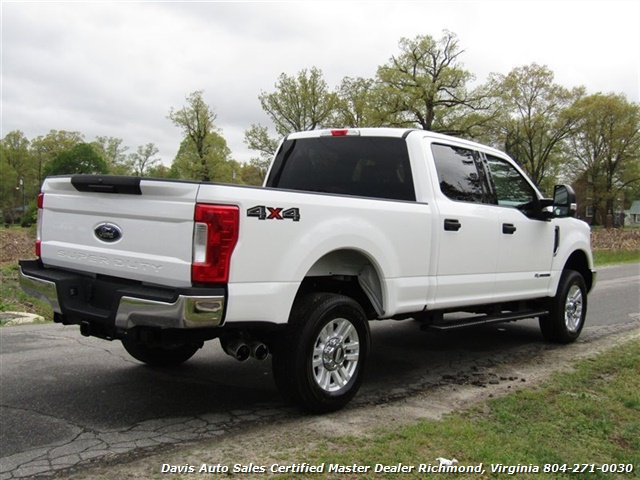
117	68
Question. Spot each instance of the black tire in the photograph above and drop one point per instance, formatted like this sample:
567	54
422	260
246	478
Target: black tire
160	356
567	310
319	362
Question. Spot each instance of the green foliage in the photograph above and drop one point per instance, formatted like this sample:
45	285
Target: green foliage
535	118
426	83
113	152
217	164
301	102
361	103
82	158
142	160
195	119
17	172
45	148
605	147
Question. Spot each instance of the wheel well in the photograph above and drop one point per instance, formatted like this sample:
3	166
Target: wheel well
350	273
578	261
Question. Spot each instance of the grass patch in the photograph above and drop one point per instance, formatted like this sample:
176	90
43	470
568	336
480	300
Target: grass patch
589	416
14	299
611	257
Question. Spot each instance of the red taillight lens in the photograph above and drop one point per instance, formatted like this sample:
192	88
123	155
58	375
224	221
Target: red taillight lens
39	225
341	132
215	236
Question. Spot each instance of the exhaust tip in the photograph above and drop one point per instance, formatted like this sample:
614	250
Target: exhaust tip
243	352
259	351
236	348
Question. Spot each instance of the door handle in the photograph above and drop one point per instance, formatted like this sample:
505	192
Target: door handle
452	225
508	228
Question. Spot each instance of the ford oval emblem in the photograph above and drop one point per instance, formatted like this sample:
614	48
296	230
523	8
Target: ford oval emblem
108	232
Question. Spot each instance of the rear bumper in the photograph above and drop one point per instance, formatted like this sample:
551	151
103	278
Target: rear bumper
114	306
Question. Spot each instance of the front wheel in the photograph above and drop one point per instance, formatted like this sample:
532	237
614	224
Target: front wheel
567	310
319	362
160	356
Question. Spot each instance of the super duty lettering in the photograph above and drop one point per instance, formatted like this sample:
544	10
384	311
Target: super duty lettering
350	226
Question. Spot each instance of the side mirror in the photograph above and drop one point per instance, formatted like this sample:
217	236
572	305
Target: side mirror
564	201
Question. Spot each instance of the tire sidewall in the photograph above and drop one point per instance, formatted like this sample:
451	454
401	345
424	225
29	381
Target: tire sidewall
307	323
553	326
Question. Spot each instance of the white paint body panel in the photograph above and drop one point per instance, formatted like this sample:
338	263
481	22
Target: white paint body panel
420	265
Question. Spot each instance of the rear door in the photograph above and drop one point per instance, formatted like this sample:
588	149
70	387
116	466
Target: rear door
467	230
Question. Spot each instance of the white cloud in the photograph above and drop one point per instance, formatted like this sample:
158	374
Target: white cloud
116	69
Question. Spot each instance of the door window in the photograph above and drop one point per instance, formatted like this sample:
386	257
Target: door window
511	188
458	173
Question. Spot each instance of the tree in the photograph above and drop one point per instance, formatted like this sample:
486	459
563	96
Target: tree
216	165
195	120
299	103
46	148
114	154
426	84
141	161
18	171
362	103
606	147
82	158
257	139
535	119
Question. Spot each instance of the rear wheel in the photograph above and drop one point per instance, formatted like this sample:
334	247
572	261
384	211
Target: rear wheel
319	362
567	310
160	356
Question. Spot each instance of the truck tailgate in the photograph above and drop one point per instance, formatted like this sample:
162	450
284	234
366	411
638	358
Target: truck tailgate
144	232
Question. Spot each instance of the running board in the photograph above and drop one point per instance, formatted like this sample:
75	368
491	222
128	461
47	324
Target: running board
486	319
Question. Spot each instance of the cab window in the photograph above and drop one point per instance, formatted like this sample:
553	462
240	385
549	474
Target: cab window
511	188
458	173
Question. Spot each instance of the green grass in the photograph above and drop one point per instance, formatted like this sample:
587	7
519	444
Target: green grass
611	257
590	416
14	299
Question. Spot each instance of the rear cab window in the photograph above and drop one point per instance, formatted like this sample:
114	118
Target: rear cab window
460	173
375	167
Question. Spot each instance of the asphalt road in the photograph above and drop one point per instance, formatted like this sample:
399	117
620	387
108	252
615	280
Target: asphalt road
66	400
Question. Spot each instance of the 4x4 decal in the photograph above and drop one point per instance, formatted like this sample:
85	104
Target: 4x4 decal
274	213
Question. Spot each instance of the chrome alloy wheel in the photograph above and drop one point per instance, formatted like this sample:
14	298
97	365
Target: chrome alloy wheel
335	355
573	309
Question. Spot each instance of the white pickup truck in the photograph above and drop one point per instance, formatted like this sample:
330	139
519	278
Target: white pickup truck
350	226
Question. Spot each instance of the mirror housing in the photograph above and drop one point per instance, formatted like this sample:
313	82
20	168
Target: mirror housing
564	201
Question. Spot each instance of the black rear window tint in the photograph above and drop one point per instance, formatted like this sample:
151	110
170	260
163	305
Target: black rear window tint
375	167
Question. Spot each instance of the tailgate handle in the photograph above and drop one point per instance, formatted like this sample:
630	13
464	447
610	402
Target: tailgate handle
107	184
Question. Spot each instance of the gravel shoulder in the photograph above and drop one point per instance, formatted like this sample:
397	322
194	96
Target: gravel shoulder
287	440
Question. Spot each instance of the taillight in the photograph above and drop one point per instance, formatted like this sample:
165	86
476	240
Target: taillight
39	225
214	237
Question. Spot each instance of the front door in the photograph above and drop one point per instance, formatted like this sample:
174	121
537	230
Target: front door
525	243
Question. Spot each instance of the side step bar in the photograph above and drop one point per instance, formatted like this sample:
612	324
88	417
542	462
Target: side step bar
485	320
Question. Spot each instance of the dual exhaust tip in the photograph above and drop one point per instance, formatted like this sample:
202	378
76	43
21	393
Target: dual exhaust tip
241	350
